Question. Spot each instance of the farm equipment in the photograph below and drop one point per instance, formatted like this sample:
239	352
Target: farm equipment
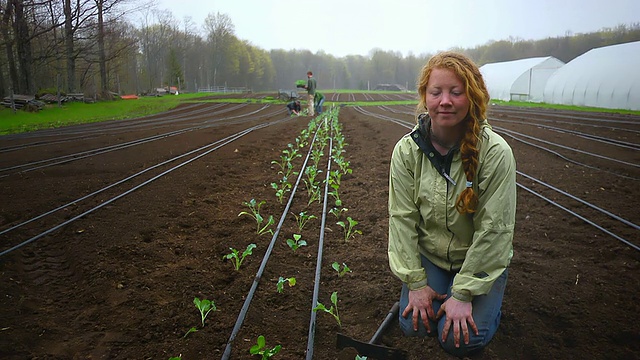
287	95
372	349
291	95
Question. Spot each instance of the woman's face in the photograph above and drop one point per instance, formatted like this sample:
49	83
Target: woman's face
446	99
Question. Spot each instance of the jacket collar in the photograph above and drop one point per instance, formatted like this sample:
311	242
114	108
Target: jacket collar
420	136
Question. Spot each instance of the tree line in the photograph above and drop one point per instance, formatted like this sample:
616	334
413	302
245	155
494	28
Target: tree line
94	47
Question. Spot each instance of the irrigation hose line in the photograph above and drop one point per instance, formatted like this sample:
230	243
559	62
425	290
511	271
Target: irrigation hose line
265	259
580	217
614	216
562	156
567	147
230	139
84	154
316	286
123	181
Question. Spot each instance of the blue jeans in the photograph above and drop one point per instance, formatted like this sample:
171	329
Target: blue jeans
319	106
486	311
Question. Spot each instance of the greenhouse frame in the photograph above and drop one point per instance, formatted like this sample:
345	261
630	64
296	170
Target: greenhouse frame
519	80
606	77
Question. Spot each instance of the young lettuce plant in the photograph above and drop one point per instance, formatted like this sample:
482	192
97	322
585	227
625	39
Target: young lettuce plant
296	242
341	271
260	348
302	219
281	189
316	155
335	194
281	281
349	230
313	185
205	307
337	212
333	310
344	165
236	258
287	156
254	206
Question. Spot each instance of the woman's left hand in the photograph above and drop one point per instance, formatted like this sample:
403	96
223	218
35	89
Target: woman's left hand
459	314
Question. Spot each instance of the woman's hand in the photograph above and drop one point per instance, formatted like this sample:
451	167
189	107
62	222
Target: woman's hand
421	302
458	314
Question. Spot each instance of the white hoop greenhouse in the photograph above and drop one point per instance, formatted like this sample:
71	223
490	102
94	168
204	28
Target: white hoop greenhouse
606	77
519	80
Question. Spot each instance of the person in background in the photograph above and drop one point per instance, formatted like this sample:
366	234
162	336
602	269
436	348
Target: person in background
452	205
294	107
311	91
318	100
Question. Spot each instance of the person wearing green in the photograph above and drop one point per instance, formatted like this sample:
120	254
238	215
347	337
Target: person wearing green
311	92
452	206
318	100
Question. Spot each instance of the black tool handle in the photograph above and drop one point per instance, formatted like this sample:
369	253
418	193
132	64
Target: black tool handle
393	313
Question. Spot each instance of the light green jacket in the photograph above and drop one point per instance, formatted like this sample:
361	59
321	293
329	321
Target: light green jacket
423	218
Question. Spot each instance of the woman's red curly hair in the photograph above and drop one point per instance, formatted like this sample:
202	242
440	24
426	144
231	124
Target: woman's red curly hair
478	95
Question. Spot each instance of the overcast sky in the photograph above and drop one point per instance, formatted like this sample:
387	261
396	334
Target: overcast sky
355	27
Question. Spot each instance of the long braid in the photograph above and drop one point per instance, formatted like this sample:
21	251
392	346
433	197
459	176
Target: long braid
468	199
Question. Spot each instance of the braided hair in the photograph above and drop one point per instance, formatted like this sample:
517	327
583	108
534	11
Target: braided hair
478	95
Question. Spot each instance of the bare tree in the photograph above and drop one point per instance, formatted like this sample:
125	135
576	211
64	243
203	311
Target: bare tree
219	29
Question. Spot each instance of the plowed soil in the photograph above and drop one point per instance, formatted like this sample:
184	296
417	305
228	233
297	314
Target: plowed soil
119	282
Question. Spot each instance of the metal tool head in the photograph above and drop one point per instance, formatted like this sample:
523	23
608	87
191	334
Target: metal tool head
372	351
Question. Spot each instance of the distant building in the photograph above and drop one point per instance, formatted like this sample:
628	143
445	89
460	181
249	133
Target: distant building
390	87
605	77
519	80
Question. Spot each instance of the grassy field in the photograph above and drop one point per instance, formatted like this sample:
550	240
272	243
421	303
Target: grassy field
76	113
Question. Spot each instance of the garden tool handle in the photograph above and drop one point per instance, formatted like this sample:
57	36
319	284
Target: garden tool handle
393	313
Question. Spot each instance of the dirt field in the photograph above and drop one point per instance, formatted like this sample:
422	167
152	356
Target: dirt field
119	282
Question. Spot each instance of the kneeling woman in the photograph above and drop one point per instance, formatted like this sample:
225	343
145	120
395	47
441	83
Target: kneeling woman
452	204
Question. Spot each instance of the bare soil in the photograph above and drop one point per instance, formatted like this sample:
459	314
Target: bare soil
119	282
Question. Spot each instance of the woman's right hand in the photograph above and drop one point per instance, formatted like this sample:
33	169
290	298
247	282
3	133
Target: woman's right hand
421	302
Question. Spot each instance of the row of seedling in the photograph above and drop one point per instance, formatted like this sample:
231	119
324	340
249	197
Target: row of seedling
323	127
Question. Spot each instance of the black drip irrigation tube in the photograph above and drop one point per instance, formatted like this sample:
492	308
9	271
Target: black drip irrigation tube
265	259
316	287
226	141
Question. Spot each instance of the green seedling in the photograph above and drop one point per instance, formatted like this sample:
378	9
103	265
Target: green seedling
281	189
301	141
260	348
176	357
296	242
349	230
314	192
333	310
344	165
285	160
341	271
193	329
205	307
286	167
254	206
337	212
335	194
302	219
358	357
236	258
316	155
281	281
